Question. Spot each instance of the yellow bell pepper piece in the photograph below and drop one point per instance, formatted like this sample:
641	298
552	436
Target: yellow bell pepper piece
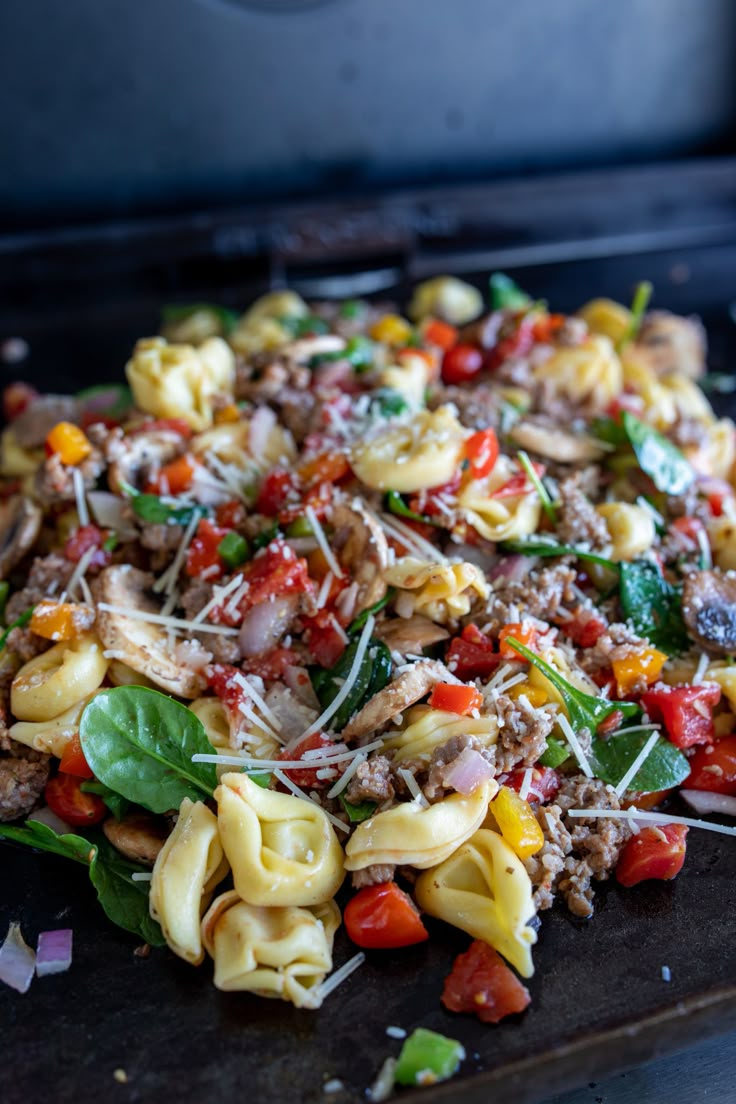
517	823
629	671
391	329
535	695
69	443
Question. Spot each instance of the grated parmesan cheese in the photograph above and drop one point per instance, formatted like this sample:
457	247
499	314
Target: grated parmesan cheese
324	544
347	686
80	570
347	774
413	787
82	511
526	783
218	595
167	581
328	986
575	745
633	815
171	622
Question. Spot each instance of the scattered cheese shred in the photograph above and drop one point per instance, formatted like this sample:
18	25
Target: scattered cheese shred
168	580
575	745
413	787
218	595
83	563
347	774
324	544
253	763
526	783
82	511
336	979
641	758
633	815
247	685
170	622
347	686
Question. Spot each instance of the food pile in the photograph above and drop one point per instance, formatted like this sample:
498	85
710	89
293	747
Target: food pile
434	613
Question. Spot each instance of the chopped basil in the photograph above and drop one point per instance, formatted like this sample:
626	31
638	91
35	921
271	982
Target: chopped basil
653	606
506	294
388	403
373	674
539	487
110	543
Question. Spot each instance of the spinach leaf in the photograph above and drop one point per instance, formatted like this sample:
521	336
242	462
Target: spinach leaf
664	767
396	505
4	595
657	456
356	625
38	835
542	547
358	813
117	805
653	606
19	623
506	294
373	674
149	507
387	402
179	312
140	743
124	901
583	710
556	753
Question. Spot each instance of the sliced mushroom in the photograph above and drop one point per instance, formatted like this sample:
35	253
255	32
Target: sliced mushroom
361	547
402	692
557	444
670	343
142	645
138	836
410	635
141	453
709	610
20	524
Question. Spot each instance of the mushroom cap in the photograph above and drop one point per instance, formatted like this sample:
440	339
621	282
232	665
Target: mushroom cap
709	610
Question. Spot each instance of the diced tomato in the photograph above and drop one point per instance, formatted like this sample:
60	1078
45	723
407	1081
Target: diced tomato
221	679
546	327
175	425
522	631
272	664
383	917
202	554
516	344
461	363
275	572
230	515
644	800
610	723
16	398
585	628
685	711
455	699
318	497
472	655
480	982
544	784
325	637
84	538
518	484
442	334
657	852
426	502
306	778
277	488
73	760
173	478
328	467
481	449
65	798
713	768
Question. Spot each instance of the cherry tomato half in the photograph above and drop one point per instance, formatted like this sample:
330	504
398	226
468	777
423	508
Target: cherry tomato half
653	853
383	917
73	760
65	798
461	363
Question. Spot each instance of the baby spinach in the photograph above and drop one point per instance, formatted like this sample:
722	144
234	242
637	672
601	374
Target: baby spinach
396	505
360	812
373	674
543	547
356	625
149	507
663	768
117	805
658	457
653	606
583	710
506	294
179	312
19	623
140	743
387	402
124	901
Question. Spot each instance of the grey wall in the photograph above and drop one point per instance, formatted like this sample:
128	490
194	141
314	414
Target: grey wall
118	106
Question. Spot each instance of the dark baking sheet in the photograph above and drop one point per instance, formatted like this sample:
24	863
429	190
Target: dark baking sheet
599	1001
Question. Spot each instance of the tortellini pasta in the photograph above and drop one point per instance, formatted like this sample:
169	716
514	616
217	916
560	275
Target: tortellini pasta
716	453
410	834
589	373
58	679
722	534
231	444
574	675
179	381
665	398
188	867
411	456
448	298
15	460
120	674
282	849
261	328
410	379
484	890
427	729
607	317
497	519
630	527
51	736
441	592
255	740
274	952
194	327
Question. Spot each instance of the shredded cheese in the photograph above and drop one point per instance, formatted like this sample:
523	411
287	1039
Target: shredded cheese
324	590
347	774
225	471
167	581
633	815
324	544
347	686
703	664
254	763
413	787
247	685
425	549
641	758
504	686
82	511
298	792
248	711
218	595
82	564
171	622
500	674
575	745
330	985
141	876
526	783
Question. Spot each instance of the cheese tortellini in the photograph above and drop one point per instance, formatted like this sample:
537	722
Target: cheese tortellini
410	834
484	890
428	729
411	456
282	849
281	952
441	592
52	736
56	680
590	373
261	327
506	518
630	527
255	740
716	453
188	867
410	379
231	444
607	317
179	381
448	298
722	534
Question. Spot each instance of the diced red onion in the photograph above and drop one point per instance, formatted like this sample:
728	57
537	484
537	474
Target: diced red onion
44	815
265	624
302	546
205	490
346	601
467	772
54	951
514	568
334	373
300	684
704	801
17	961
261	425
109	512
